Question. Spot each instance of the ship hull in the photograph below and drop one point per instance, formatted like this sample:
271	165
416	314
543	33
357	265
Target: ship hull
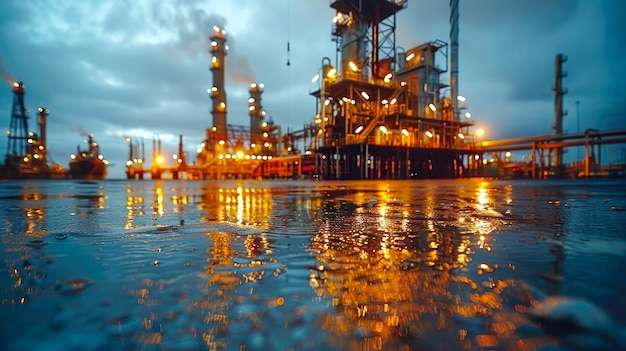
88	169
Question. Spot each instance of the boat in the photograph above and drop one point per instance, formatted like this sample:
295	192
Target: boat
89	163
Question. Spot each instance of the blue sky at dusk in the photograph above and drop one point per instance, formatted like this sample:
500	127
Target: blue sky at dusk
140	68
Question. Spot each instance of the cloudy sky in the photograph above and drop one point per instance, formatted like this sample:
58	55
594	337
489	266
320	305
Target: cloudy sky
140	68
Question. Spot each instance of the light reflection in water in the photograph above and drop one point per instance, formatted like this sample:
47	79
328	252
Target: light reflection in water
244	206
389	273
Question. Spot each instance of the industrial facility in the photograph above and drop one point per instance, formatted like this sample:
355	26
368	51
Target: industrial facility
27	151
382	112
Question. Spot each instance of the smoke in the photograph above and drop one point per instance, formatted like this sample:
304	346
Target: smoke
5	75
82	131
240	70
191	26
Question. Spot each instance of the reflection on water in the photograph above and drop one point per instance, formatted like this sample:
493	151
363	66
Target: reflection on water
420	265
389	261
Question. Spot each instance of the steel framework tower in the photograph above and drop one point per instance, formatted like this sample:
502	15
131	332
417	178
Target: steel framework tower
18	130
354	40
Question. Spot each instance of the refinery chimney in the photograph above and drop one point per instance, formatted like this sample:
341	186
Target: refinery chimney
559	92
43	142
454	58
257	116
217	92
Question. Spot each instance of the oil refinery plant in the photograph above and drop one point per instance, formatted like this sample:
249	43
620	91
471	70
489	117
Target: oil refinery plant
382	112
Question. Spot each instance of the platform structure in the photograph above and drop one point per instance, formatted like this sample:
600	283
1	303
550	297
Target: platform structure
382	112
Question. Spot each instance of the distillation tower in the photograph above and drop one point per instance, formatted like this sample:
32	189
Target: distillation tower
216	136
382	111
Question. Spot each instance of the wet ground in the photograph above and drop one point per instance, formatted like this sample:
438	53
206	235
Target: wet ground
298	265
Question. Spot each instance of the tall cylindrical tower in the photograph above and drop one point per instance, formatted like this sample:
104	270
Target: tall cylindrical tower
43	142
454	58
218	93
559	92
354	49
257	115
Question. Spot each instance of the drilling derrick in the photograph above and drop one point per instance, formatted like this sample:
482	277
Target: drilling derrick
218	135
18	130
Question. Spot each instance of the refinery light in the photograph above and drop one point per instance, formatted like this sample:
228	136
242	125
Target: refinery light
315	78
353	66
432	107
358	130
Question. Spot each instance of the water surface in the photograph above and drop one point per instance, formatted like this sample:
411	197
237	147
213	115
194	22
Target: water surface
298	265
